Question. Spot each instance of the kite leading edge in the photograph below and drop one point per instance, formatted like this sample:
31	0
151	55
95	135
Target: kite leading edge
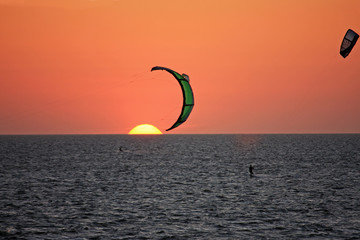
188	97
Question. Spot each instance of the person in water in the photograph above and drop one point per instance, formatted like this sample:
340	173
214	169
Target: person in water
251	168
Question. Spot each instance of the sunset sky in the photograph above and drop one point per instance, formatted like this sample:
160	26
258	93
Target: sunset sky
255	66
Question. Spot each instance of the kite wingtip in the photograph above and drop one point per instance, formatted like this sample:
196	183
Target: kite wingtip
156	68
186	77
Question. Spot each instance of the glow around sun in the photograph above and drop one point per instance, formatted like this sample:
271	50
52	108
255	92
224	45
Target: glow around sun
145	129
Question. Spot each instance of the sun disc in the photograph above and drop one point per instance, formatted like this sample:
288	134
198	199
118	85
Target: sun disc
145	129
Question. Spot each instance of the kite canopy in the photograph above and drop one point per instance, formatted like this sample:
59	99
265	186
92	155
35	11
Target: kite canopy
348	42
188	97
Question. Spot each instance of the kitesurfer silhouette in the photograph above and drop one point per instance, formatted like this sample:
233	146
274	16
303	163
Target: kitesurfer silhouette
251	169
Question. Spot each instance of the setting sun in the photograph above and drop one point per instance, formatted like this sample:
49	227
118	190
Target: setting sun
145	129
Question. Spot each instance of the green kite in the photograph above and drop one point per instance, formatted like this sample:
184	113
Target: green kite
188	97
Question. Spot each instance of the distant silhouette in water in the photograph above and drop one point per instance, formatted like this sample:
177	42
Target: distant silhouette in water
120	149
251	168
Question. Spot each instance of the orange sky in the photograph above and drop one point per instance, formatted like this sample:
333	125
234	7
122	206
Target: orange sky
259	66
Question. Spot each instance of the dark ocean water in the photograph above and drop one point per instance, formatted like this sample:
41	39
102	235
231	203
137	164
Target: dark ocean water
180	187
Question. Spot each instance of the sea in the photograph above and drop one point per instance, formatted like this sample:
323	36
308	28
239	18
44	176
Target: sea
180	186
